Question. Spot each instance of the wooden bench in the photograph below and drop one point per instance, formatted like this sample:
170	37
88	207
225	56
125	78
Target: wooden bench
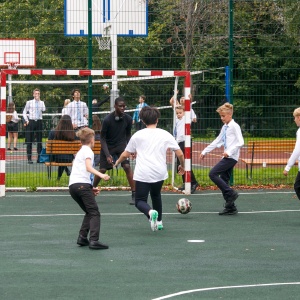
267	148
56	147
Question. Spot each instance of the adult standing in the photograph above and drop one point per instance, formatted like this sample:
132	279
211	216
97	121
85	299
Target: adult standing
33	120
77	110
115	135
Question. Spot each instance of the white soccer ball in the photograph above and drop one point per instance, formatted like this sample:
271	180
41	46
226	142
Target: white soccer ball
184	206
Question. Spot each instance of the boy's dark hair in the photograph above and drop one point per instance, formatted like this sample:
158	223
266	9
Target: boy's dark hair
75	90
149	115
118	100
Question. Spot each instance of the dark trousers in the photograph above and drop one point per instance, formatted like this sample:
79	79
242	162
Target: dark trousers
34	128
142	190
193	178
220	175
83	194
297	185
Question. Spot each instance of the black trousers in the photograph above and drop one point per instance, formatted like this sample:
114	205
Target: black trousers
34	128
83	194
297	185
193	178
220	175
142	190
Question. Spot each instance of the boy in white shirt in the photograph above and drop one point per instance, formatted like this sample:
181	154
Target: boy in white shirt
295	155
150	147
82	191
232	139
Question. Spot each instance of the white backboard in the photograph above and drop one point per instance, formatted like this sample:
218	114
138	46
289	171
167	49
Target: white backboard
19	52
123	17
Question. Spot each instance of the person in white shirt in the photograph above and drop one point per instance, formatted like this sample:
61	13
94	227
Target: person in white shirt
179	135
77	110
82	191
150	145
295	155
33	120
12	120
66	103
232	139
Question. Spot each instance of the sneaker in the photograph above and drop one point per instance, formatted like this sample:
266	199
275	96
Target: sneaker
132	202
232	210
9	149
153	219
160	225
194	187
16	149
231	199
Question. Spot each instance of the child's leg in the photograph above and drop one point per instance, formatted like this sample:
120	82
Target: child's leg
15	134
155	193
141	197
83	194
219	175
297	185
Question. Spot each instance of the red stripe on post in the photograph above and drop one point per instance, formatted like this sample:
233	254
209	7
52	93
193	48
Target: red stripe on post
61	72
85	72
2	178
3	130
187	175
133	73
108	73
187	152
36	72
2	153
3	105
187	129
156	73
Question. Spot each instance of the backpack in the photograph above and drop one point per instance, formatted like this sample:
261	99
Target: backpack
8	118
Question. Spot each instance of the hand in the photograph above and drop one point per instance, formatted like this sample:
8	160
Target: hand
105	177
202	156
225	154
133	155
110	160
96	191
180	170
285	173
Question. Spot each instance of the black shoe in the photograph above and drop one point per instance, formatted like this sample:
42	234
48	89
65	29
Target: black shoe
30	161
194	188
38	161
82	241
181	188
229	211
132	202
16	149
230	200
9	149
97	245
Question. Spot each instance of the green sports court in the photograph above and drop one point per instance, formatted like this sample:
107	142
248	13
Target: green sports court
252	255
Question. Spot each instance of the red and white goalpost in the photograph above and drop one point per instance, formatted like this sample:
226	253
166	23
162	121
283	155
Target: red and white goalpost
83	73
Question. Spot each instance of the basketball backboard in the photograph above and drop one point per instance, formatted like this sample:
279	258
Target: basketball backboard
121	17
17	52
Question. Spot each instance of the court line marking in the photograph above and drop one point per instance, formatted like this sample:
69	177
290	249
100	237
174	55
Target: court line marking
139	213
226	287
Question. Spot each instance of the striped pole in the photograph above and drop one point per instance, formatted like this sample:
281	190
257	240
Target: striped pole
187	143
2	134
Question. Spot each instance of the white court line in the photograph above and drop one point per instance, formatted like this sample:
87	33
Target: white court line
139	213
226	287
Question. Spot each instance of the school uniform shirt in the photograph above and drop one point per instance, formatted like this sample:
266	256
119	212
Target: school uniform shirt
179	130
295	155
77	110
33	110
234	140
151	146
79	173
15	117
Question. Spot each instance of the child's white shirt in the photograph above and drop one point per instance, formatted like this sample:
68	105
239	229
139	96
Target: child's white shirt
79	173
295	155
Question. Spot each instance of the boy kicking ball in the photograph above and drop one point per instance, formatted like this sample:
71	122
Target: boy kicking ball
82	191
232	140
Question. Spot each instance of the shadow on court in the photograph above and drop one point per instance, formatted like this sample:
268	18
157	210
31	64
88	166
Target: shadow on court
253	255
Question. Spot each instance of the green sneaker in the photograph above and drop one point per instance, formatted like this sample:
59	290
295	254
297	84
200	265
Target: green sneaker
153	219
160	225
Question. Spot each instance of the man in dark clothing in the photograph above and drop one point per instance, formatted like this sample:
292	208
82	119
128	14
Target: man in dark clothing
115	135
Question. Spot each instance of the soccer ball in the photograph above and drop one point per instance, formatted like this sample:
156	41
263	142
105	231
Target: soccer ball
184	206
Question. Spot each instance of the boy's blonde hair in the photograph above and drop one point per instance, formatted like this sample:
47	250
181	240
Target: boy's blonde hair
85	135
296	112
179	107
225	108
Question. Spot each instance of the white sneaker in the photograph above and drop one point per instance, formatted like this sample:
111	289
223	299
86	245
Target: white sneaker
160	225
153	219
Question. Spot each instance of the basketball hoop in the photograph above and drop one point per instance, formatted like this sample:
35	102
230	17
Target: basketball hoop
104	40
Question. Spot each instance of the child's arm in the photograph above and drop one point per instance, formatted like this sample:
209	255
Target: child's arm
89	168
180	156
122	157
294	156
